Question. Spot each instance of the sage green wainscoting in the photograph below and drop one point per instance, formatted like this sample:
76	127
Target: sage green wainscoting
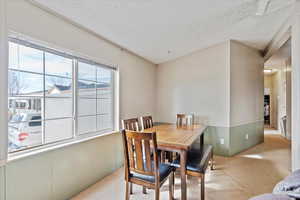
214	135
238	134
2	183
228	141
64	172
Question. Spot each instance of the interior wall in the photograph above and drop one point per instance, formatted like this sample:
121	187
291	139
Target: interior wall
296	88
275	103
3	94
136	74
2	183
268	81
246	84
197	83
3	81
280	79
246	97
64	172
223	86
289	98
281	97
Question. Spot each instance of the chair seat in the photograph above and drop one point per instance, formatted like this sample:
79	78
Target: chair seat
197	161
164	172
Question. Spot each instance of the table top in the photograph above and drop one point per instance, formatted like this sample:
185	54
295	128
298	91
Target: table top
169	136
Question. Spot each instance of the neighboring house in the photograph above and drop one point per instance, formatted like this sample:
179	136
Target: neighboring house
33	102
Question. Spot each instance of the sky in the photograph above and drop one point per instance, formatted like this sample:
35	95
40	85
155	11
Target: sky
31	60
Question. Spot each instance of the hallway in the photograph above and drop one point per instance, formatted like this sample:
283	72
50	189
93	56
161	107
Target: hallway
250	173
271	131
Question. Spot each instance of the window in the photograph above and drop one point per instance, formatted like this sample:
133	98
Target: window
55	97
94	98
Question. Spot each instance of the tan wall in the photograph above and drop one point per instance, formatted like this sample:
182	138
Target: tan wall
136	74
62	173
222	84
3	83
268	81
277	77
274	102
246	85
279	95
197	83
289	98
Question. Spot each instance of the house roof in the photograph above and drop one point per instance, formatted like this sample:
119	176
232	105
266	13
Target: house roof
64	88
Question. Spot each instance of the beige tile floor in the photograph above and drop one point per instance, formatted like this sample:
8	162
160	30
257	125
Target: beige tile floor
250	173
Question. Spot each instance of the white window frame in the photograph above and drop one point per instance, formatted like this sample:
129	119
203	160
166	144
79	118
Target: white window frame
77	96
77	138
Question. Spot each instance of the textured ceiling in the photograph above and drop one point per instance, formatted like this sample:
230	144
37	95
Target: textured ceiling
162	30
278	60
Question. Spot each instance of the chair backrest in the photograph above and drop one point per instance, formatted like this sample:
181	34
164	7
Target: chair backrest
137	152
184	120
130	124
147	122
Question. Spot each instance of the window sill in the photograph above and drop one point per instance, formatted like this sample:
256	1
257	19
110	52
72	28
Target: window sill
27	153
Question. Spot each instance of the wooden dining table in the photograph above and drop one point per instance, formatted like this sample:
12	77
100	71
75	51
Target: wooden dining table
178	139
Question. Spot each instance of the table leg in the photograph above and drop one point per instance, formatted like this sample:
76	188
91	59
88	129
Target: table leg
183	157
163	156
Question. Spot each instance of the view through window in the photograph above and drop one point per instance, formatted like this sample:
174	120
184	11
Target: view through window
55	97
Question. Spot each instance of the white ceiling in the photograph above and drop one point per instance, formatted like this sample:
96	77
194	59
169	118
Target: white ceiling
162	30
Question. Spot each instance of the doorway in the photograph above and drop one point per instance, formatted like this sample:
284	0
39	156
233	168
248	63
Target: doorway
277	92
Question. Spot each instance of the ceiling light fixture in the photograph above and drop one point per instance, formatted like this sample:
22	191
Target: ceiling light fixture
268	70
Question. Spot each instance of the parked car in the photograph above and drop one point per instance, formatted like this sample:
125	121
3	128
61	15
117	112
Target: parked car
25	130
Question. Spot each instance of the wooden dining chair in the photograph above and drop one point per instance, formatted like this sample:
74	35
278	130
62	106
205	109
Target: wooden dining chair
197	164
131	124
141	167
147	122
198	157
181	121
184	120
